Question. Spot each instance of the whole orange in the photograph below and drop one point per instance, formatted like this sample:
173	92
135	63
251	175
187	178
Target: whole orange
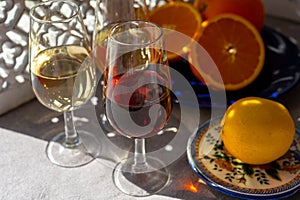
252	10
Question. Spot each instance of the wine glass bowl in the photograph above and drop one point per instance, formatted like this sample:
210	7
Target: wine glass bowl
138	101
63	76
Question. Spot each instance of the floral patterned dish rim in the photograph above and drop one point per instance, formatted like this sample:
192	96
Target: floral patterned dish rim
222	171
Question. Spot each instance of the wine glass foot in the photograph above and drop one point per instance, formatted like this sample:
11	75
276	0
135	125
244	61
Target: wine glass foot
87	149
140	184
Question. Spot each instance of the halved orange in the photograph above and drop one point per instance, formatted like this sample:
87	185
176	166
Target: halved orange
237	49
177	17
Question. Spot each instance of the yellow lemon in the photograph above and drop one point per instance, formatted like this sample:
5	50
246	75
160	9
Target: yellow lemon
257	130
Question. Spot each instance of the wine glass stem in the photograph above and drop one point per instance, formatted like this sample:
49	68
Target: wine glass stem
71	135
140	161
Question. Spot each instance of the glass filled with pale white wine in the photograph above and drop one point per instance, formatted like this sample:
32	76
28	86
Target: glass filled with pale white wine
138	102
63	76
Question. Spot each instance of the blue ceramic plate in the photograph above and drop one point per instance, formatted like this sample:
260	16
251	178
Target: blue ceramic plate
280	74
226	174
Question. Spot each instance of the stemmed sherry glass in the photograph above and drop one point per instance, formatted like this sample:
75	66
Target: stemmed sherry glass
138	101
107	14
63	76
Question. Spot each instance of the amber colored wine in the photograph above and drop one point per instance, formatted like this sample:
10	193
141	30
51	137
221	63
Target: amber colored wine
100	43
63	77
131	106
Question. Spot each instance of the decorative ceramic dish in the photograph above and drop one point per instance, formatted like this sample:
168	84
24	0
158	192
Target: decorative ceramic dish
280	74
220	170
